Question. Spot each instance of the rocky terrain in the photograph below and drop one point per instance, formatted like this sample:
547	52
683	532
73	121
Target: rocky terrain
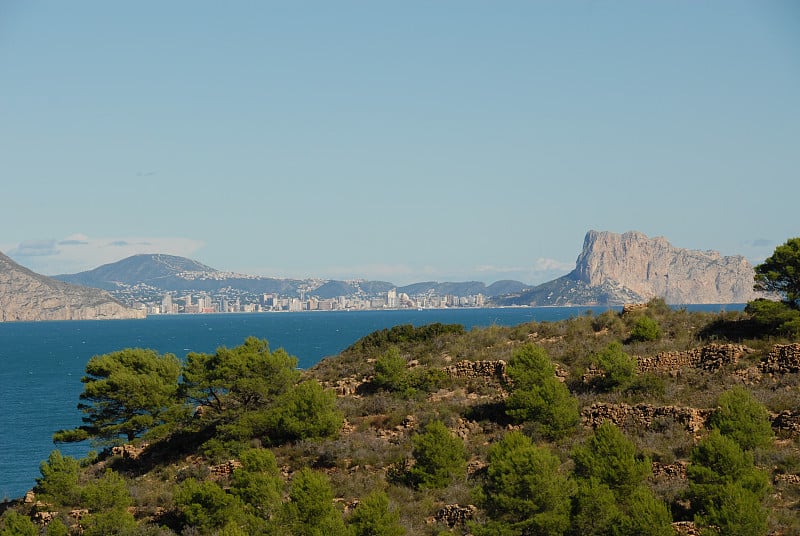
26	295
615	269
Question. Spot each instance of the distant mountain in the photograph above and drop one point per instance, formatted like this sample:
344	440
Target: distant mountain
614	269
148	275
164	273
505	287
26	295
158	270
467	288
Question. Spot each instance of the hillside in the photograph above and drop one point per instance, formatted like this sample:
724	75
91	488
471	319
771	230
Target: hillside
150	275
614	269
26	295
365	448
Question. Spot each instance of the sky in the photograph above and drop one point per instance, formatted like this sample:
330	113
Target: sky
396	141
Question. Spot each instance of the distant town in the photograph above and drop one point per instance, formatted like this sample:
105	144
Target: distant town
198	303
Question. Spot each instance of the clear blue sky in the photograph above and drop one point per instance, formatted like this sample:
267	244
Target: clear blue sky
402	141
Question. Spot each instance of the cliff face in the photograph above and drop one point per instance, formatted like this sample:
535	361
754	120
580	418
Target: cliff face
651	267
614	269
26	295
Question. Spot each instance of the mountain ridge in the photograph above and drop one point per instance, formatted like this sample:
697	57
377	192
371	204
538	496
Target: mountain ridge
170	273
614	269
28	296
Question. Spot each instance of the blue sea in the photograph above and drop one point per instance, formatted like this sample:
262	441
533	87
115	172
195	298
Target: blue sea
41	363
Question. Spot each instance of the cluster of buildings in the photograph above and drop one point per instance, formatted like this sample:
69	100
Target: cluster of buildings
172	303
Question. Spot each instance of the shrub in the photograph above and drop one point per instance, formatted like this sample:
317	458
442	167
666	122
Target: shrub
619	368
611	458
439	457
726	488
310	510
373	517
59	481
15	524
525	492
537	394
742	418
645	329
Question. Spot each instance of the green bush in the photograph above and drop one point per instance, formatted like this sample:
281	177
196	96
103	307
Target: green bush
645	329
206	506
742	418
310	510
726	488
15	524
374	517
439	457
611	458
59	481
391	373
525	491
538	396
619	368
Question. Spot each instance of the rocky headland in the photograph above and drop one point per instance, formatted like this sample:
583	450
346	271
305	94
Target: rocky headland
26	295
614	269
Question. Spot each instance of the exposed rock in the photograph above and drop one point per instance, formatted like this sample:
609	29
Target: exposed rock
686	528
225	469
782	359
652	267
453	515
26	295
629	308
787	479
786	421
670	470
44	518
614	269
478	369
710	358
644	415
129	452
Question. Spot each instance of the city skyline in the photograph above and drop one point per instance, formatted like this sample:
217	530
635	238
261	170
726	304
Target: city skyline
411	142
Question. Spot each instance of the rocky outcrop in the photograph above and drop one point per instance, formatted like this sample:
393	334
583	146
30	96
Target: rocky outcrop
495	370
26	295
225	469
782	359
615	269
710	358
693	419
652	267
644	415
786	421
454	515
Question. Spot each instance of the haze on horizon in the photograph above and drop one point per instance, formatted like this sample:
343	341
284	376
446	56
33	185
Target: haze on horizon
445	141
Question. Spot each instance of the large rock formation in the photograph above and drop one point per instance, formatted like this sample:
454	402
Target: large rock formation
614	269
26	295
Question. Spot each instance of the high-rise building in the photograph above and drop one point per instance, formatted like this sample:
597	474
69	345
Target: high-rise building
166	304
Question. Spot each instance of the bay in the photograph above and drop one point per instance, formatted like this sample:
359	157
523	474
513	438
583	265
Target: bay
41	363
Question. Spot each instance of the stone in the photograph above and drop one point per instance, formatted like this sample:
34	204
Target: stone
782	359
644	415
225	469
652	267
454	515
630	268
27	296
709	358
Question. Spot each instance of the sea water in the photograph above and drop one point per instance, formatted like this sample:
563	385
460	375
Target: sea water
41	363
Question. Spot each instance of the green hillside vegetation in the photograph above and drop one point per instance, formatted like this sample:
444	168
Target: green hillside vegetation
438	430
